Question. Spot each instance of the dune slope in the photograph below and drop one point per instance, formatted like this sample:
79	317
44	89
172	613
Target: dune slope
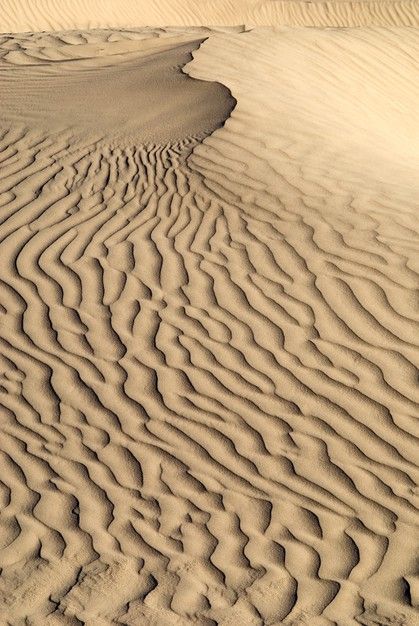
209	329
43	15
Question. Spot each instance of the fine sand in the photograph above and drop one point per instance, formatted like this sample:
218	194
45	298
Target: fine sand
26	15
209	320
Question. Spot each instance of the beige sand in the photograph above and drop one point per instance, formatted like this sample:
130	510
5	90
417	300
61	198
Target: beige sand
27	15
208	330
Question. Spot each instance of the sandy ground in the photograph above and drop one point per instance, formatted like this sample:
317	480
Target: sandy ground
209	279
27	15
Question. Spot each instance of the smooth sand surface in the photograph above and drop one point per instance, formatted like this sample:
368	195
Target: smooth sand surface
209	325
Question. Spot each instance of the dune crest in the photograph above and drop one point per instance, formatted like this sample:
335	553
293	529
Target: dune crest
115	90
209	338
43	15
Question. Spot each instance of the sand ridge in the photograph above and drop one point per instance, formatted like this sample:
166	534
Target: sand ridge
110	88
209	343
44	15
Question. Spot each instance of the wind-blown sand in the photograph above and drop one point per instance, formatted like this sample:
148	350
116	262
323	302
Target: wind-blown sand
26	15
209	319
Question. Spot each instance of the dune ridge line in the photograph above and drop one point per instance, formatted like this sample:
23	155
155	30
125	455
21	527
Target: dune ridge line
209	280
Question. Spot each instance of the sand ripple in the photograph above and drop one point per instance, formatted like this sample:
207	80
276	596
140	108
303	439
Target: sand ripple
42	15
209	348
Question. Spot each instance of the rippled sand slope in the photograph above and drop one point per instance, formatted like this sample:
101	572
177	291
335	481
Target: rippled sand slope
209	327
27	15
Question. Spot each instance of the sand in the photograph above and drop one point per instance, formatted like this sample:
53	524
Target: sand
209	320
43	15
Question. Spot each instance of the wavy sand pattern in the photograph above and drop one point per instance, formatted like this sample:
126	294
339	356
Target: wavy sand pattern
41	15
209	327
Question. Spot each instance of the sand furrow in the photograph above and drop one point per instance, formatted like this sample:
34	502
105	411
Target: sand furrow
209	326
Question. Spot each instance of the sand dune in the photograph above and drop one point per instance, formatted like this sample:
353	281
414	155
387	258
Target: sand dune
113	91
208	325
29	15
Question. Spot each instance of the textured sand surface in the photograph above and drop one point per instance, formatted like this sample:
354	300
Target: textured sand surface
27	15
209	325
